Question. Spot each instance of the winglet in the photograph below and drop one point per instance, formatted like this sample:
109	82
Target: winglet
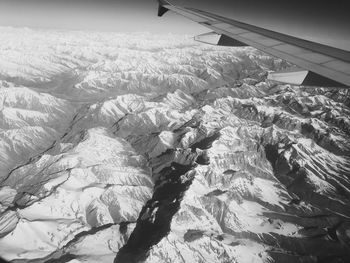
161	8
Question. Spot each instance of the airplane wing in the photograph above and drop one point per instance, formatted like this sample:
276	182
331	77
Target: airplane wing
321	65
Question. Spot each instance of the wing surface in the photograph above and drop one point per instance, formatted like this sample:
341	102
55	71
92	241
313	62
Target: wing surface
324	64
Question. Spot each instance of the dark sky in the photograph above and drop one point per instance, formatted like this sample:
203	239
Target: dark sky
101	15
324	21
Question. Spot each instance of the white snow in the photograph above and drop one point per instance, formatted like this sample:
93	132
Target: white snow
88	121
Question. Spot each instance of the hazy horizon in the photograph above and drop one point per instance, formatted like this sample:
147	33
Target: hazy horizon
314	20
104	15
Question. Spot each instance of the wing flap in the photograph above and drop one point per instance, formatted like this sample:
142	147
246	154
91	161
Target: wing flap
213	38
338	66
302	77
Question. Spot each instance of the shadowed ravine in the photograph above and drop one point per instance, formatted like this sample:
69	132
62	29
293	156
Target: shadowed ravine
155	218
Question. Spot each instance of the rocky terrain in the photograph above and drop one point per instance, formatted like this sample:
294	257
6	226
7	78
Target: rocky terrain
141	148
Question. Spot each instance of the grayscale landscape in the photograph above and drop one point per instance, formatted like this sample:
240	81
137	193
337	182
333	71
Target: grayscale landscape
154	148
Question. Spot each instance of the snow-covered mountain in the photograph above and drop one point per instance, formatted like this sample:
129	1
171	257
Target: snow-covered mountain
141	148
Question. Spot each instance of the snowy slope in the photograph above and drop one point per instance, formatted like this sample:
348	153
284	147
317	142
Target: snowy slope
142	148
